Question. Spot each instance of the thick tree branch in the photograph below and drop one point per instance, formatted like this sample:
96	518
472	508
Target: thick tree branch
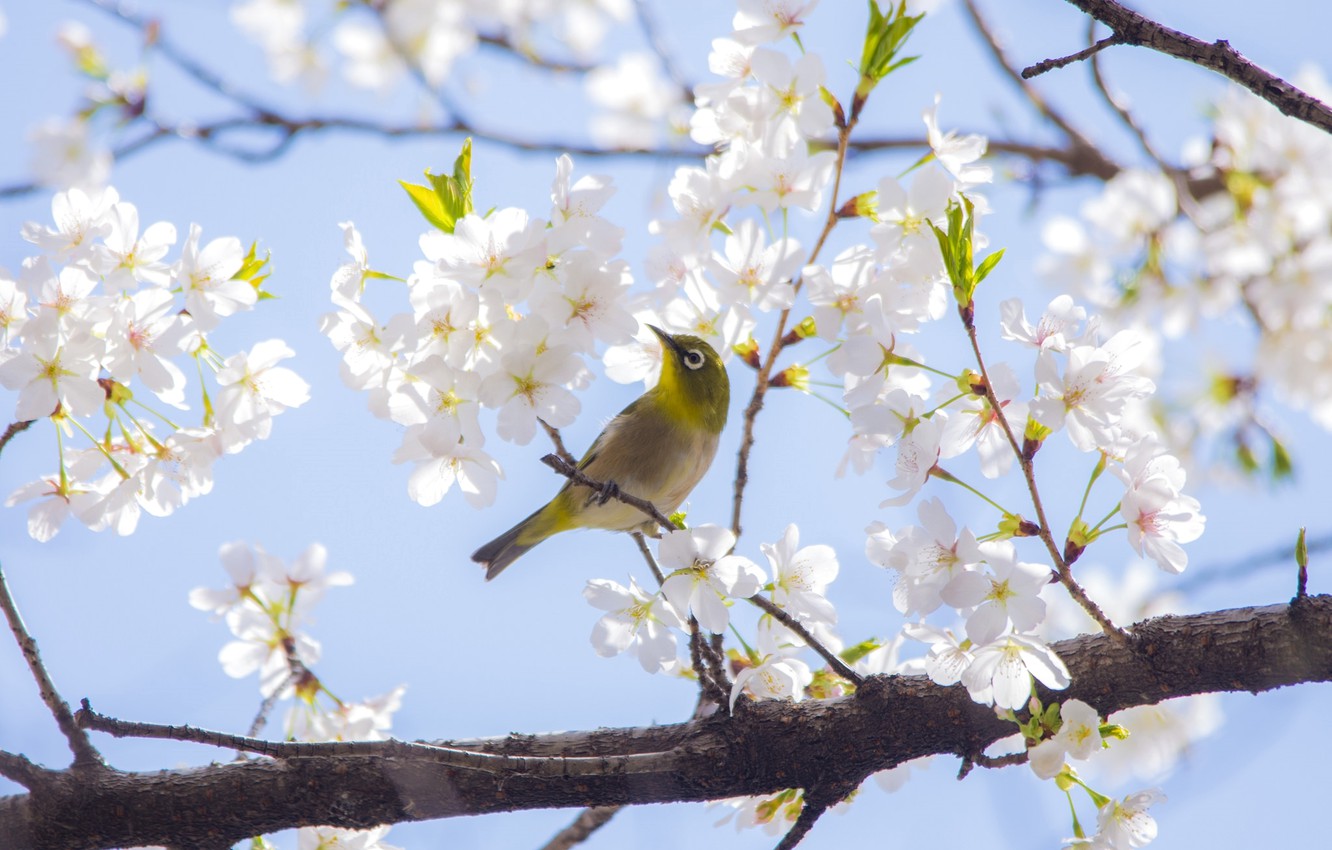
1134	29
766	747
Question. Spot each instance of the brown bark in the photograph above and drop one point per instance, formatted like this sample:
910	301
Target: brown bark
766	747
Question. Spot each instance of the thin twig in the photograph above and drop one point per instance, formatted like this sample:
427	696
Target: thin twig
588	821
554	434
568	470
1063	572
763	378
458	757
641	540
85	754
1135	29
700	658
1051	64
1120	110
1054	116
703	658
815	803
14	429
838	665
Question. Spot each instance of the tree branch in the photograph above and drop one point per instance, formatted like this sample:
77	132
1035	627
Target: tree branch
572	472
838	665
771	746
85	754
588	821
14	429
1135	29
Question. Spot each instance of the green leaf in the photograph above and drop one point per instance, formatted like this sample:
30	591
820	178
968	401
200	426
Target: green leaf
449	196
852	654
429	204
1282	464
987	264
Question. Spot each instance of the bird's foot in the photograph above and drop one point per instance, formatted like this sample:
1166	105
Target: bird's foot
609	490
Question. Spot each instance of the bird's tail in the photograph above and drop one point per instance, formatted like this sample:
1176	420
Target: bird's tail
505	549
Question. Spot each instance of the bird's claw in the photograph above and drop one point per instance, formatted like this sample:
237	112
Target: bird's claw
609	490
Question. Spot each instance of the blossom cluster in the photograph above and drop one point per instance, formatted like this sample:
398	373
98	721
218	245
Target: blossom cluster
97	325
702	579
503	312
1242	236
266	606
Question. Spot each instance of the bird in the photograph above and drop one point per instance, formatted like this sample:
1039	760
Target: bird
658	448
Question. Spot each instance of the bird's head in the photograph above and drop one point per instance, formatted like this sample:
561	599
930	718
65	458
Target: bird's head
693	386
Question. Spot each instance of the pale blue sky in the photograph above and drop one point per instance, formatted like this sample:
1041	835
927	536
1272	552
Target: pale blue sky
513	655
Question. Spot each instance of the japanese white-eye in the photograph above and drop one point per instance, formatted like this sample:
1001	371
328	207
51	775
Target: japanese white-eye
657	449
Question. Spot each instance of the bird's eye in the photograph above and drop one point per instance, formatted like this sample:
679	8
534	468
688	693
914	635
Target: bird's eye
693	358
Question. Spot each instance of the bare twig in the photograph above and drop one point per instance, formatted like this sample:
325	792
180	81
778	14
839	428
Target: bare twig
701	658
1120	110
641	540
838	665
763	378
14	429
1086	52
1134	29
1075	136
588	821
568	470
85	754
705	660
815	802
554	434
457	757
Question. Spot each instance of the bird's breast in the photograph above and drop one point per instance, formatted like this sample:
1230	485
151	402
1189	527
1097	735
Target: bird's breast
651	458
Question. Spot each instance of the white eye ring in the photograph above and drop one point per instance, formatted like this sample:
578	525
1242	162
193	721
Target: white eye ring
693	358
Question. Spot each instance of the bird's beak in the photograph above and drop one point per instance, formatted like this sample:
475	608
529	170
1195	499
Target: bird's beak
667	341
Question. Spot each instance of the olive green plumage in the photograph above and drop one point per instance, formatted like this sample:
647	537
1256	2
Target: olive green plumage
657	448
